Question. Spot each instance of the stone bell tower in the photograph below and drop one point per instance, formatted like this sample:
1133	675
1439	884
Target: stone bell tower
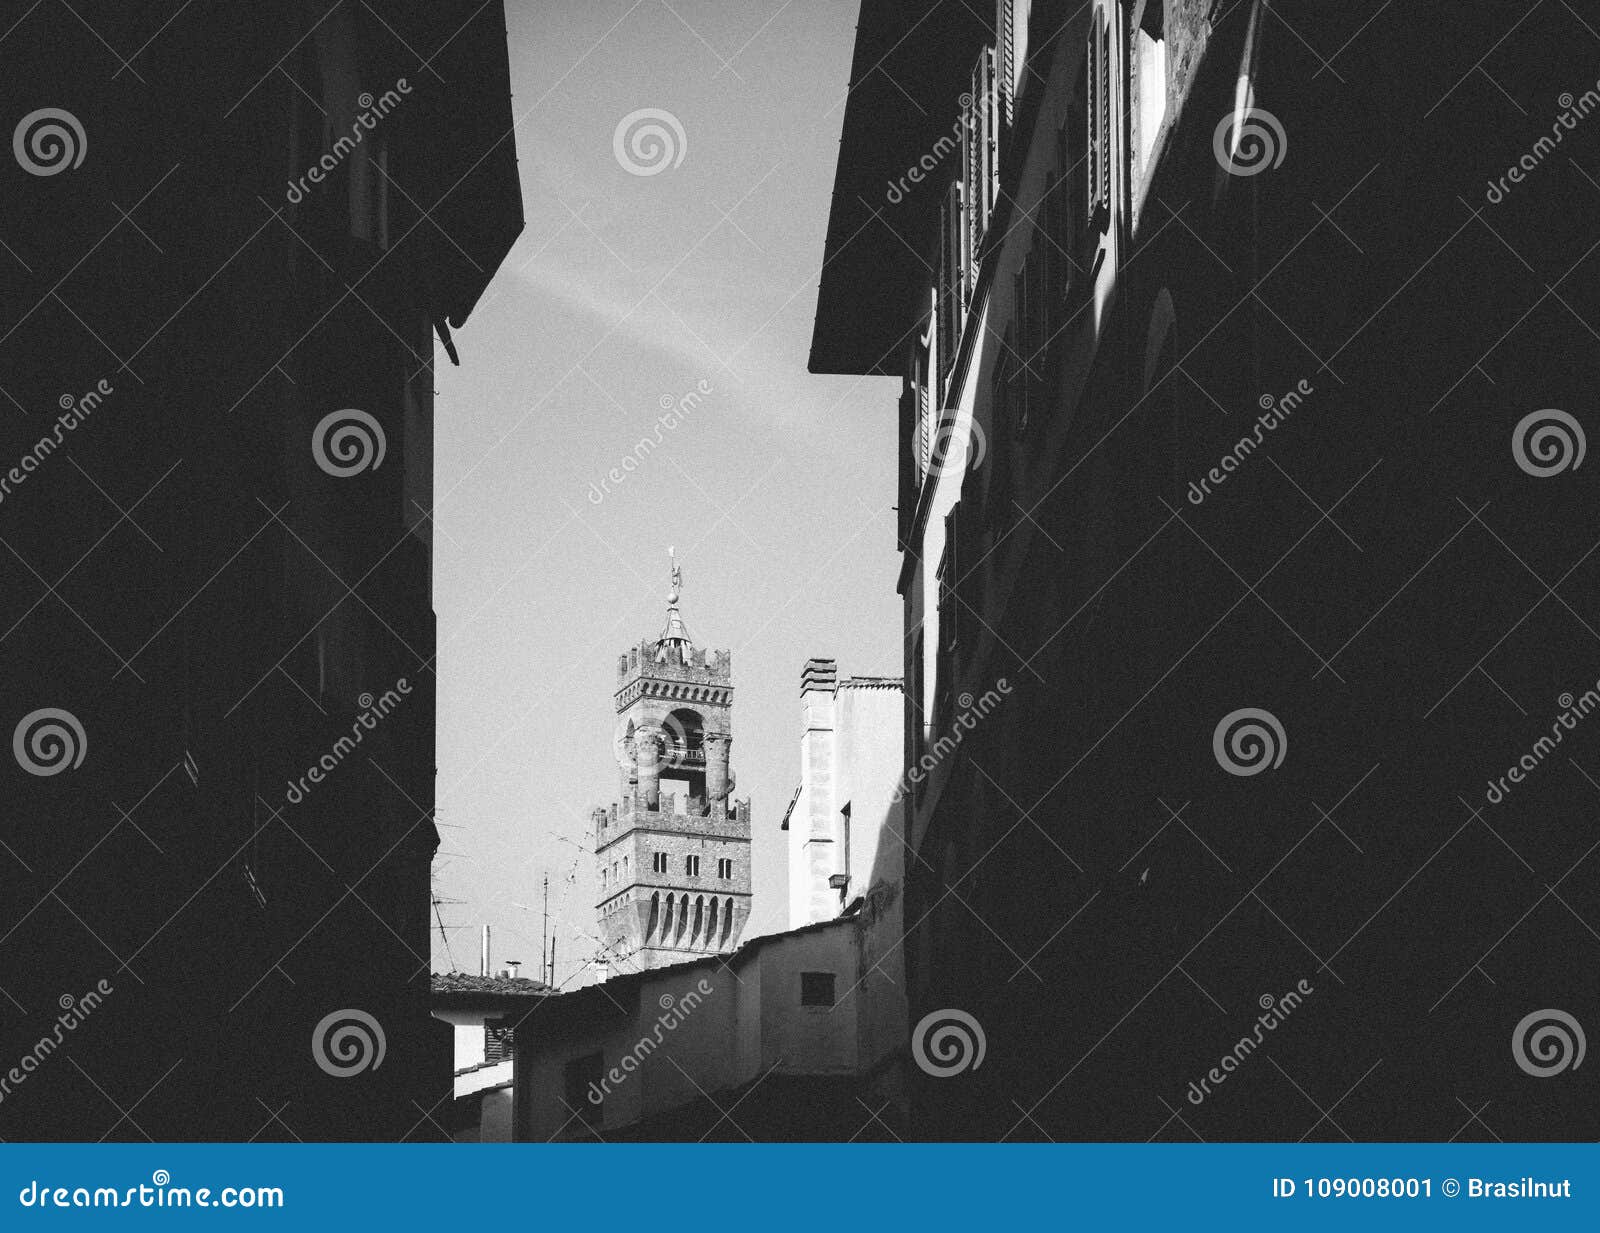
674	851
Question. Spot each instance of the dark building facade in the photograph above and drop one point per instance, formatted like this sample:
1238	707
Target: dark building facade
229	246
1244	397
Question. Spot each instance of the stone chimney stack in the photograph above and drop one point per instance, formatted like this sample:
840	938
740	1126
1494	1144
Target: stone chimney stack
812	855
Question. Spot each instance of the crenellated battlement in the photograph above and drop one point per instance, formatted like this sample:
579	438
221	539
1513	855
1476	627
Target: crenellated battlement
687	816
693	665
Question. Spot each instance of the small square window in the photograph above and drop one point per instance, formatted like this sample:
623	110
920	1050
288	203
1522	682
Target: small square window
816	988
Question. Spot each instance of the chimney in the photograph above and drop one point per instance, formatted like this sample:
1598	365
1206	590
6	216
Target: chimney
515	965
812	856
483	954
819	674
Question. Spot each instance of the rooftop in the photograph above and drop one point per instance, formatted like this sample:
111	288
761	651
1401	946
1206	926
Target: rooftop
466	982
911	64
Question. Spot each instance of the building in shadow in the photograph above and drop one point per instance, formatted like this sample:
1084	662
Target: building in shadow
798	1035
229	248
1230	568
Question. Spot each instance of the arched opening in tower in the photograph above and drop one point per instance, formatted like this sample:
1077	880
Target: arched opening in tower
683	761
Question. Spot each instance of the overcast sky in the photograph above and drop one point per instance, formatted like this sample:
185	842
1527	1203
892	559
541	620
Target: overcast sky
625	292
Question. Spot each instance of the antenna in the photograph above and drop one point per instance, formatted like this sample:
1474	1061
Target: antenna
545	945
443	936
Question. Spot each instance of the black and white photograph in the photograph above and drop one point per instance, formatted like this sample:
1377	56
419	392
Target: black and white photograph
604	572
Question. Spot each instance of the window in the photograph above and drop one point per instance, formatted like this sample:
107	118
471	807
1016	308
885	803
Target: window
1150	59
691	866
1105	113
951	291
816	988
498	1041
624	866
1091	136
725	869
1006	57
981	159
1098	69
658	862
948	577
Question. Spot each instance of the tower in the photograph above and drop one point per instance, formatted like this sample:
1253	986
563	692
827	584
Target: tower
674	850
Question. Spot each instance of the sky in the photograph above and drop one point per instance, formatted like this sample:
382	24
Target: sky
624	293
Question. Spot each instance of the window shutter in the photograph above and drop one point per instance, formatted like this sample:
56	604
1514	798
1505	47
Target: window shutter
1092	117
1105	114
950	292
1006	37
980	156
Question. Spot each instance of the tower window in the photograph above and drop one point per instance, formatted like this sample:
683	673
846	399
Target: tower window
816	988
725	869
691	866
658	862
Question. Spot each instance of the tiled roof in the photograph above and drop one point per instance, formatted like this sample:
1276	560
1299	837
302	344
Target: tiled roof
464	982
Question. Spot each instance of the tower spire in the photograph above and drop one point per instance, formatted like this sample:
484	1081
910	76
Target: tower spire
675	642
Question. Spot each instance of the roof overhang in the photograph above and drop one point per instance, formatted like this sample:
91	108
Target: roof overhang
911	65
